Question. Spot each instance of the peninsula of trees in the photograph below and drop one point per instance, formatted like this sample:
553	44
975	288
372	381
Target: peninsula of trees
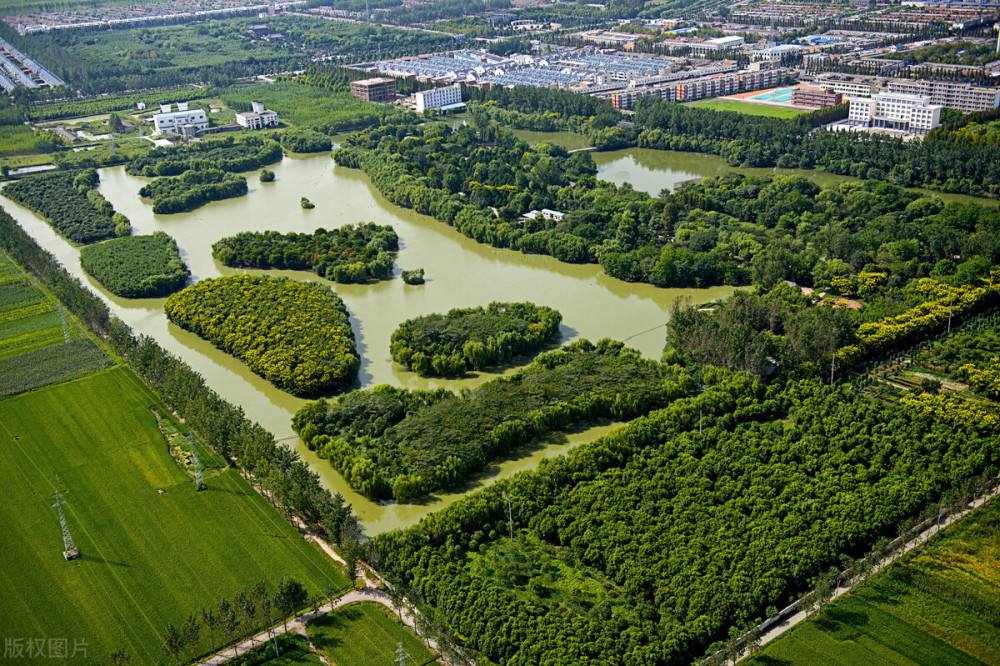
473	338
390	442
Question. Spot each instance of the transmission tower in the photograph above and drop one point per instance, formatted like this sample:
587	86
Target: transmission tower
199	482
401	655
510	517
62	313
70	551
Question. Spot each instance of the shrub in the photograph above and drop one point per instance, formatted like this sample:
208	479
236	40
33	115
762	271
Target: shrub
137	266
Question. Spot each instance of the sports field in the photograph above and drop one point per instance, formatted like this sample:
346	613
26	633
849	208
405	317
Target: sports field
147	558
366	634
750	109
937	607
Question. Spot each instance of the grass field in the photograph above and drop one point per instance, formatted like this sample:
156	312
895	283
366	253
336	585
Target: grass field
937	607
751	109
365	634
147	558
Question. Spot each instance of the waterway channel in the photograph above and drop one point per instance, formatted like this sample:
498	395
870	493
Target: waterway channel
460	273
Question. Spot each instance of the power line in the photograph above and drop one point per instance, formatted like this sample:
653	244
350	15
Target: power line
199	482
70	551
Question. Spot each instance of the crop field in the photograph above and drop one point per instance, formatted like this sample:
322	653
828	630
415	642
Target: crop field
33	348
751	109
365	634
941	606
148	558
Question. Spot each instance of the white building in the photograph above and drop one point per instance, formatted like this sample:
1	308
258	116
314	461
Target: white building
895	111
438	97
258	118
180	121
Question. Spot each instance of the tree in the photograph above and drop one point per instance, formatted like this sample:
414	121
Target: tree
229	622
173	641
210	621
120	658
191	631
244	602
289	596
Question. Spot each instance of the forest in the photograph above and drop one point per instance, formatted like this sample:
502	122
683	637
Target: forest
227	154
191	189
242	442
68	202
137	266
347	254
696	520
297	335
388	442
733	229
473	338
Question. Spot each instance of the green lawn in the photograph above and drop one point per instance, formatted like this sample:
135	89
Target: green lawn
365	634
937	607
751	109
147	558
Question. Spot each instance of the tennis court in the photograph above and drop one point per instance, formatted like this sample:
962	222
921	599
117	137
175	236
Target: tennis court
774	96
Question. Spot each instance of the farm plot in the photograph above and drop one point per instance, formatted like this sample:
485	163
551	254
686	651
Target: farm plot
148	558
33	347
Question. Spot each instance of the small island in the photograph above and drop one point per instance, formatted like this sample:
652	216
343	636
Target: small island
137	266
351	255
450	344
297	335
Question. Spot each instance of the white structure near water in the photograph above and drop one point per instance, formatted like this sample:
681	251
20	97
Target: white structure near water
895	111
438	97
181	121
258	118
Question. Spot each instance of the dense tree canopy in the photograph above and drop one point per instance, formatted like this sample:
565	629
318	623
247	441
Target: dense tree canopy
68	202
346	254
297	335
690	530
137	266
390	442
472	338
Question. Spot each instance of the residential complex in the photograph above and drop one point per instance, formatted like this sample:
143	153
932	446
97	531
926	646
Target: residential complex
913	114
706	86
449	97
374	90
258	118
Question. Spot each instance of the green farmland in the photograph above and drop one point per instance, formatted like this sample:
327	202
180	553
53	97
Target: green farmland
148	558
365	634
751	109
34	351
937	607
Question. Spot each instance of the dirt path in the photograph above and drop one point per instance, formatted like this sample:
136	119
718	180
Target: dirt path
298	624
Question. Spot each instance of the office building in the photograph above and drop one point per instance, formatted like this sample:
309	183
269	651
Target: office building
894	111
